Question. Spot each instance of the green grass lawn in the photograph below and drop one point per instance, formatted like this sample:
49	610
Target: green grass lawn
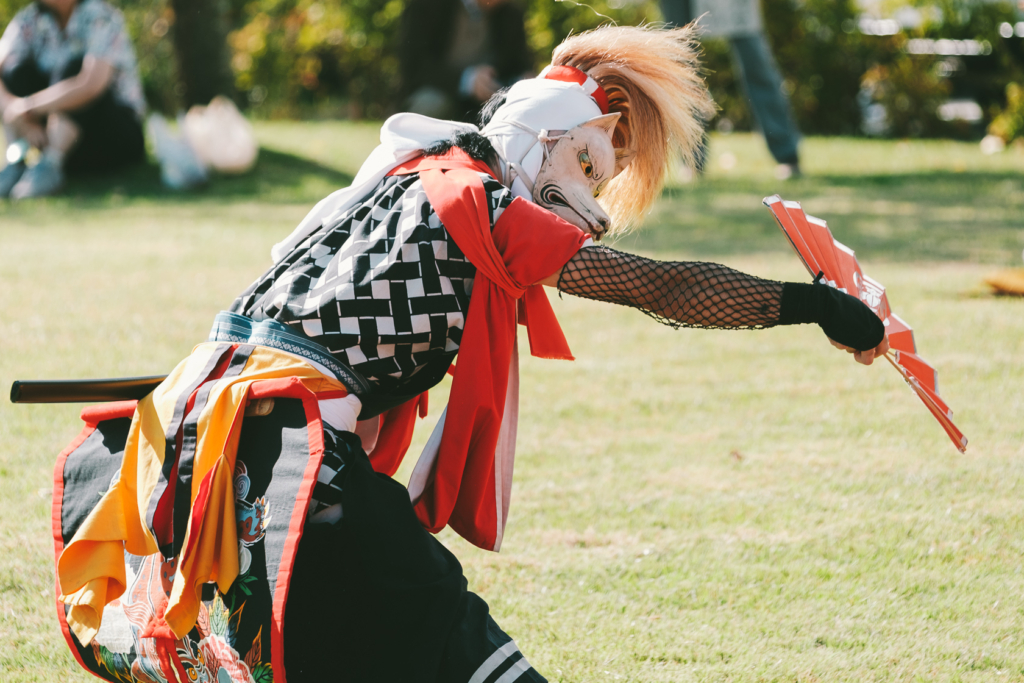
689	505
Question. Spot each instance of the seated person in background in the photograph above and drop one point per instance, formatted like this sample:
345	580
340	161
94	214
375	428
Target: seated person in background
69	86
455	54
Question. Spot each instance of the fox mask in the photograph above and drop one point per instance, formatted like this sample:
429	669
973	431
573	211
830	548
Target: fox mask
579	165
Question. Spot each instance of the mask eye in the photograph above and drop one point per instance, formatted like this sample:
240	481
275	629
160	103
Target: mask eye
586	165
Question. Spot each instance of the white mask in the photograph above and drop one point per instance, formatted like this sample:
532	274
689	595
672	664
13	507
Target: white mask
579	164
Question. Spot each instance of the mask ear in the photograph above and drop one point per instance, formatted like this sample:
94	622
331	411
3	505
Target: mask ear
605	123
552	138
623	157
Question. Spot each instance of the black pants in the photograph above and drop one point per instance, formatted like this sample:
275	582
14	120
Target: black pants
111	133
375	598
762	83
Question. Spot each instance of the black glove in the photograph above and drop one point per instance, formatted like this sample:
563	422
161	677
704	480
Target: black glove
844	318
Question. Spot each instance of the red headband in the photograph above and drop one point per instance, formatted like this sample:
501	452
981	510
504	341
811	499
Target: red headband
571	74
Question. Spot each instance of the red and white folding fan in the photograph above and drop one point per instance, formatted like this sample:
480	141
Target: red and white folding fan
834	264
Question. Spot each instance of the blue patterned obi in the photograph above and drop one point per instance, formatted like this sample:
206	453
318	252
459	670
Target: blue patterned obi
231	327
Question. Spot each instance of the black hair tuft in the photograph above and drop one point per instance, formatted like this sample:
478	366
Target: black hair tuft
492	105
475	145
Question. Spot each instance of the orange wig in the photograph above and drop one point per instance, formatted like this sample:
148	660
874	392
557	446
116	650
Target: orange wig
652	78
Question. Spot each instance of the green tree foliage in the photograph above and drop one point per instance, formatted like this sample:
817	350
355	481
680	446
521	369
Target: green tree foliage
336	58
821	56
985	76
549	22
827	63
1009	123
150	25
297	56
302	57
292	55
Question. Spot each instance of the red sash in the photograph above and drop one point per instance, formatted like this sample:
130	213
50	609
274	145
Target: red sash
526	245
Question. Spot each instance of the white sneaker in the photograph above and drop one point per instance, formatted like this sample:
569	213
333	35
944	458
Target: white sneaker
787	171
10	176
43	179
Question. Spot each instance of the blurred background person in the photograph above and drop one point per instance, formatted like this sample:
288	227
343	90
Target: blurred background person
455	54
740	22
70	88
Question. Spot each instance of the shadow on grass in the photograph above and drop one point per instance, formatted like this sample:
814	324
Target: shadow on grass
973	179
927	182
940	215
277	177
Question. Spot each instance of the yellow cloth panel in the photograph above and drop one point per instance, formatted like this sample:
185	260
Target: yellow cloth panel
91	568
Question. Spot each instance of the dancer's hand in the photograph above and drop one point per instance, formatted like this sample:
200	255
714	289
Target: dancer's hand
844	319
865	357
17	112
18	116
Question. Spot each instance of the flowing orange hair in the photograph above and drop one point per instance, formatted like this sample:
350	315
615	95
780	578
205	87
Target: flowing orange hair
652	78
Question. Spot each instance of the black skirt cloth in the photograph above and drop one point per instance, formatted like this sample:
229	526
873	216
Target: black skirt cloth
375	597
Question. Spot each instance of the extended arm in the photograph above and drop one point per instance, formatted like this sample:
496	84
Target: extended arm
708	295
679	294
68	94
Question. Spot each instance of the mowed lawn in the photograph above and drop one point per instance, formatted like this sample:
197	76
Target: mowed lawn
689	505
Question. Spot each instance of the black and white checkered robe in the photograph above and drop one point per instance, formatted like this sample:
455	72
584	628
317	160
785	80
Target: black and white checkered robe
386	290
384	287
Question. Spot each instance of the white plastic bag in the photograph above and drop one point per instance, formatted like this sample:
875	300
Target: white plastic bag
221	136
180	167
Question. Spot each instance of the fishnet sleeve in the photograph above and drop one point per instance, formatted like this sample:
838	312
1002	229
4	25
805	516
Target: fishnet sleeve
679	294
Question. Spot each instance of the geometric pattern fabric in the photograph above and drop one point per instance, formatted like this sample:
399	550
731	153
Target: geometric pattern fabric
384	287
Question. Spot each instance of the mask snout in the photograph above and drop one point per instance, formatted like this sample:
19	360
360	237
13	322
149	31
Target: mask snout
575	171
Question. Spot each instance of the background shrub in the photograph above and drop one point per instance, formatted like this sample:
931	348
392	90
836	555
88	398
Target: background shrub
336	58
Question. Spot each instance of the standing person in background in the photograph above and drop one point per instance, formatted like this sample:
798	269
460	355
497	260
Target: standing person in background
455	54
739	21
69	86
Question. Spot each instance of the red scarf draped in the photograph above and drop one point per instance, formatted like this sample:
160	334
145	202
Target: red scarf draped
525	245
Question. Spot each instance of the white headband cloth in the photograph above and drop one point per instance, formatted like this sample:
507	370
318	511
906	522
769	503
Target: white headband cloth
536	111
571	74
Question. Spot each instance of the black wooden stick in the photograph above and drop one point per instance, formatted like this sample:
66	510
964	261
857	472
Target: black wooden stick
83	390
